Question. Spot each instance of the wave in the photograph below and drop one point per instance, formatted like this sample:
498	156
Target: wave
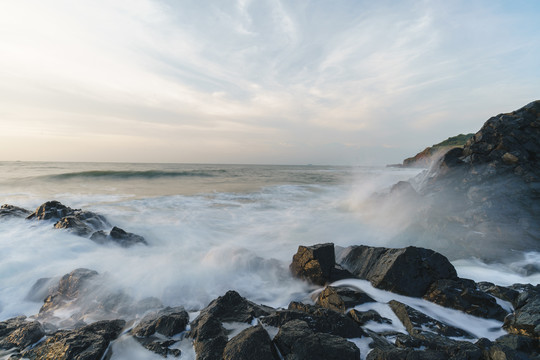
133	174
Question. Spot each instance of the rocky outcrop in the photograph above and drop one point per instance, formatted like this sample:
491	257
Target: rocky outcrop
341	298
118	236
20	333
87	343
251	343
316	264
526	317
11	211
408	271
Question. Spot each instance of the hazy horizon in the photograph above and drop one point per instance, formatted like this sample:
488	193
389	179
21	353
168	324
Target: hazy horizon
257	82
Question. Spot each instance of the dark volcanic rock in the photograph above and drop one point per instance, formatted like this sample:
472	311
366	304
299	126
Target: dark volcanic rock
439	346
209	337
318	319
362	317
408	271
251	343
74	225
87	343
9	211
340	298
501	292
117	236
417	323
520	343
19	333
51	210
526	318
499	350
161	347
464	295
295	340
168	322
317	264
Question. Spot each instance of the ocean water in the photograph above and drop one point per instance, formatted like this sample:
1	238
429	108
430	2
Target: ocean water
210	228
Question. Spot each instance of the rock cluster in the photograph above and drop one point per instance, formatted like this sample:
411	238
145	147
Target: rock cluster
79	222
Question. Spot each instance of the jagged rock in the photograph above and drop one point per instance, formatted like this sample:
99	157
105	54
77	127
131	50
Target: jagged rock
526	318
168	322
340	298
500	351
520	343
19	333
501	292
417	323
50	210
209	337
11	211
464	295
41	289
67	290
408	271
362	317
160	347
295	340
118	236
318	319
251	343
317	264
87	343
74	225
438	346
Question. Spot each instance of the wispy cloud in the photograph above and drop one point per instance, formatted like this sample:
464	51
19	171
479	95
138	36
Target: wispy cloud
269	75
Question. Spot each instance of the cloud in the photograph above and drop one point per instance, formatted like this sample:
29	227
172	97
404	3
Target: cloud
258	73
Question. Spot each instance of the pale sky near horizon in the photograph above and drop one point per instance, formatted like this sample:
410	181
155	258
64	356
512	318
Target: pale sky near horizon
257	81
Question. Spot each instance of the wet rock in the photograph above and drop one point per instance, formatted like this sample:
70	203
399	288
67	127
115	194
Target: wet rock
520	343
408	271
168	322
233	307
500	351
417	323
340	298
526	318
41	289
19	333
74	225
209	337
11	211
251	343
50	210
316	264
363	317
160	347
68	289
464	295
118	236
296	340
318	319
439	346
87	343
501	292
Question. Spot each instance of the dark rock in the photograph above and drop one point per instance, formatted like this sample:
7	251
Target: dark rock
318	319
233	307
51	210
118	236
74	225
41	289
417	323
524	344
11	211
464	295
160	347
388	354
209	337
317	264
19	333
500	351
251	343
340	298
526	318
295	340
362	317
168	322
441	346
87	343
408	271
68	289
501	292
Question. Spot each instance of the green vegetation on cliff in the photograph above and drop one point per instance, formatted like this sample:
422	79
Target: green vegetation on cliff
424	158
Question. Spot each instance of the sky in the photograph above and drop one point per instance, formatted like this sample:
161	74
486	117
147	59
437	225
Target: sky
344	82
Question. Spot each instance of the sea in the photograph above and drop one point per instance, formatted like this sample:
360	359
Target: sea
210	228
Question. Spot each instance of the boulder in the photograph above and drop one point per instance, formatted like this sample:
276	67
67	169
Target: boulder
41	289
407	271
418	323
19	333
464	295
209	337
524	344
526	317
11	211
296	340
167	322
500	351
51	210
251	343
317	264
74	225
319	320
87	343
501	292
363	317
341	298
438	347
118	236
160	347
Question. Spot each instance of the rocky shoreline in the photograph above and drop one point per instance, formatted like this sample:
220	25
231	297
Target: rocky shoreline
327	326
